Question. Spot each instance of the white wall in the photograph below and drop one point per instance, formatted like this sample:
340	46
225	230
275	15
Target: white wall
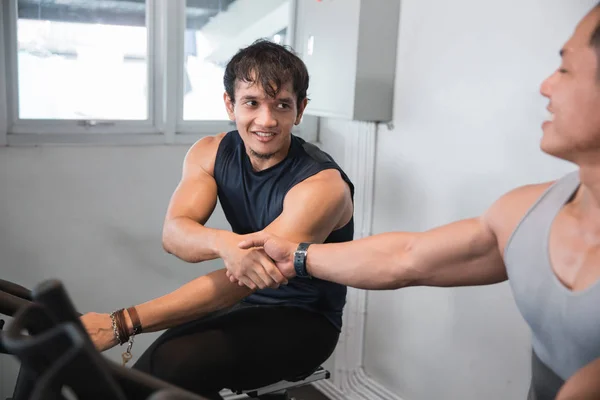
467	126
92	217
467	119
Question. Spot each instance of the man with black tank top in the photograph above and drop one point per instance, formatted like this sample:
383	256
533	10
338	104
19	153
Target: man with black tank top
544	238
266	328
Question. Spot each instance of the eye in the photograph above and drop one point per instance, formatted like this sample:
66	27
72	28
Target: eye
283	105
251	103
562	71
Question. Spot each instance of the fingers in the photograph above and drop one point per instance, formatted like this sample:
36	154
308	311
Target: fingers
258	279
252	281
274	273
245	281
232	278
257	239
258	271
249	279
267	277
261	279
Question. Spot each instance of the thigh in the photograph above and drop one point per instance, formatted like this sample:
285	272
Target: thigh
193	356
275	343
245	348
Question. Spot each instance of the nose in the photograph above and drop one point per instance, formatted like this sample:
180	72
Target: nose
546	87
266	118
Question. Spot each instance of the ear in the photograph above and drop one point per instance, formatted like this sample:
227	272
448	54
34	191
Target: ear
301	109
229	105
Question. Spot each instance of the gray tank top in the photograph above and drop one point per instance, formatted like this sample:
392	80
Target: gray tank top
565	324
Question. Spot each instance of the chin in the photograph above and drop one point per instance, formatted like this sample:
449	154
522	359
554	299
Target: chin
557	150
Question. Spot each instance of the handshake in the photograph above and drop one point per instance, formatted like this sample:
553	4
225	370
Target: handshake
261	260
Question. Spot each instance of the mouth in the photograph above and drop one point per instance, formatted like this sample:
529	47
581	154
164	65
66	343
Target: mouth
263	136
549	118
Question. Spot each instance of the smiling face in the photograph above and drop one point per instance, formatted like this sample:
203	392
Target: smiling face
573	91
265	123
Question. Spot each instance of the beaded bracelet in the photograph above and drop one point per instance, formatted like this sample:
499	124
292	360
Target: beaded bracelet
114	326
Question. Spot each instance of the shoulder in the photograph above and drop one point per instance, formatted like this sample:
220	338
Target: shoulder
506	213
327	184
202	154
315	153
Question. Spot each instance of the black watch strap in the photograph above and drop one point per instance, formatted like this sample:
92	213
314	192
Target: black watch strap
300	260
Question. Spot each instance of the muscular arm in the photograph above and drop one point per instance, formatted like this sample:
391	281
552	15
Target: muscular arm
193	300
311	211
468	252
314	208
192	203
462	253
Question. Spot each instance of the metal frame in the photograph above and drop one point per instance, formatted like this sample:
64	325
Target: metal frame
282	386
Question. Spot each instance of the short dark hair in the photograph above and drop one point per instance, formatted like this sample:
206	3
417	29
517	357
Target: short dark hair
595	41
269	64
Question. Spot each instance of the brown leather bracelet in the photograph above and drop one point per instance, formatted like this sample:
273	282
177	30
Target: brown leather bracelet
135	320
122	326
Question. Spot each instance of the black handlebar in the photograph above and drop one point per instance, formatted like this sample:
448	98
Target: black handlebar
58	350
9	303
15	290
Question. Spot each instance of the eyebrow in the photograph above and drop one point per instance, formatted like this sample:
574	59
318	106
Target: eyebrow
282	100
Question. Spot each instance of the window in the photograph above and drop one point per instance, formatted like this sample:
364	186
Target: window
82	59
123	68
213	37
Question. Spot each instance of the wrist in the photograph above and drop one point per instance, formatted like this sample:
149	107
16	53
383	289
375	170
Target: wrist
300	260
308	266
128	323
221	242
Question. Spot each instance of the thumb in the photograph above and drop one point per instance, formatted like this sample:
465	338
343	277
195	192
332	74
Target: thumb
257	239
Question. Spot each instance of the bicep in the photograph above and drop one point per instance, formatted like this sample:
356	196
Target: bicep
196	194
470	252
313	209
194	198
458	254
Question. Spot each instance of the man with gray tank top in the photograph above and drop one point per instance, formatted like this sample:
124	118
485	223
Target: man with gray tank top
544	238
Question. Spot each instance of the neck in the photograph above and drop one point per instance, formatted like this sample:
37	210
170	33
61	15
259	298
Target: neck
589	193
260	164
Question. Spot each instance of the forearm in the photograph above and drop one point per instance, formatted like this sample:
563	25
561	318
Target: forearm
191	241
376	262
193	300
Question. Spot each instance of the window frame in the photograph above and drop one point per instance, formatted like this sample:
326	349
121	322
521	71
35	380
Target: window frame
3	80
191	126
165	23
32	128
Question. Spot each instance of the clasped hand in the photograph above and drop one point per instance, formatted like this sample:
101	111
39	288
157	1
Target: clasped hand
250	263
260	260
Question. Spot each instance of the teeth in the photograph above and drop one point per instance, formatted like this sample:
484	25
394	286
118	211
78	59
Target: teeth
264	134
549	116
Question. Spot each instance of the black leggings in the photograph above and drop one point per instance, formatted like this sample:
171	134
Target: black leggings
245	347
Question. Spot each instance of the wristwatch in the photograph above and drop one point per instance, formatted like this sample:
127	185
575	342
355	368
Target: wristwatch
300	260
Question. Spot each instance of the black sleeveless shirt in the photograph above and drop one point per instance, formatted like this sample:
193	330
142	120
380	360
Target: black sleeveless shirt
251	200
